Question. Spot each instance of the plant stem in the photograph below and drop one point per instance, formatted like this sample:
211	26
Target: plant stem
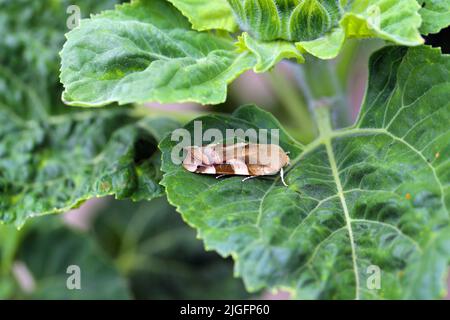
320	82
346	61
322	115
294	104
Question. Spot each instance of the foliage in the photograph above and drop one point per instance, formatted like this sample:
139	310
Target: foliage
435	15
376	193
373	193
53	159
112	56
48	248
159	254
141	251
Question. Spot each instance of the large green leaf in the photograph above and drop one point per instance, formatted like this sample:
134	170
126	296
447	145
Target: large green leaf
376	193
47	250
52	165
320	27
145	51
159	254
435	15
207	14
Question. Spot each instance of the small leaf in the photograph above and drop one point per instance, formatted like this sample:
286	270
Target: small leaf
346	209
320	27
54	165
269	53
290	20
326	47
144	52
309	21
396	21
435	15
262	19
53	158
207	14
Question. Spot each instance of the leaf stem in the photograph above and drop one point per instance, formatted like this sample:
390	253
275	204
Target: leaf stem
326	131
322	114
319	80
294	104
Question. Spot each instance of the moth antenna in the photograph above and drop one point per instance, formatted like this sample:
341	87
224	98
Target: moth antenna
221	176
282	177
248	178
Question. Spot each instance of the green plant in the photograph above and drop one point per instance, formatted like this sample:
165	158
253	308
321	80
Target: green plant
375	192
50	159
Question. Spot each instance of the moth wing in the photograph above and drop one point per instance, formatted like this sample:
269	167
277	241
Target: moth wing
239	167
206	169
224	153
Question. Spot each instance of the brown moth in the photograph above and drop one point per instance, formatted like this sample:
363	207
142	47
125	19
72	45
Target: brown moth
244	159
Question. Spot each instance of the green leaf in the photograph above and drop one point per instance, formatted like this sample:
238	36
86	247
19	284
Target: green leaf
53	165
435	15
396	21
311	19
289	20
49	248
320	27
127	56
49	162
159	254
326	47
207	14
376	193
269	53
32	34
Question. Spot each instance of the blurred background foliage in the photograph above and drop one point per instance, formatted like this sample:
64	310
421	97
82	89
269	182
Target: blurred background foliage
141	250
160	255
125	250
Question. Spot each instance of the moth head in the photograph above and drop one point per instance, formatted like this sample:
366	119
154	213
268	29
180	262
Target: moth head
284	158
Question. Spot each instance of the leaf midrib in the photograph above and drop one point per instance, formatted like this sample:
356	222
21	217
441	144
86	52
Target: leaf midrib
325	139
348	220
322	140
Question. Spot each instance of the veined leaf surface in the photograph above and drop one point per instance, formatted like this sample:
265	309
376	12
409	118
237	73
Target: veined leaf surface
52	157
145	51
320	27
54	165
435	15
375	195
207	14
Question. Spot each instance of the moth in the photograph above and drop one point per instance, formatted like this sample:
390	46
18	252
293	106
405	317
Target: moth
243	159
